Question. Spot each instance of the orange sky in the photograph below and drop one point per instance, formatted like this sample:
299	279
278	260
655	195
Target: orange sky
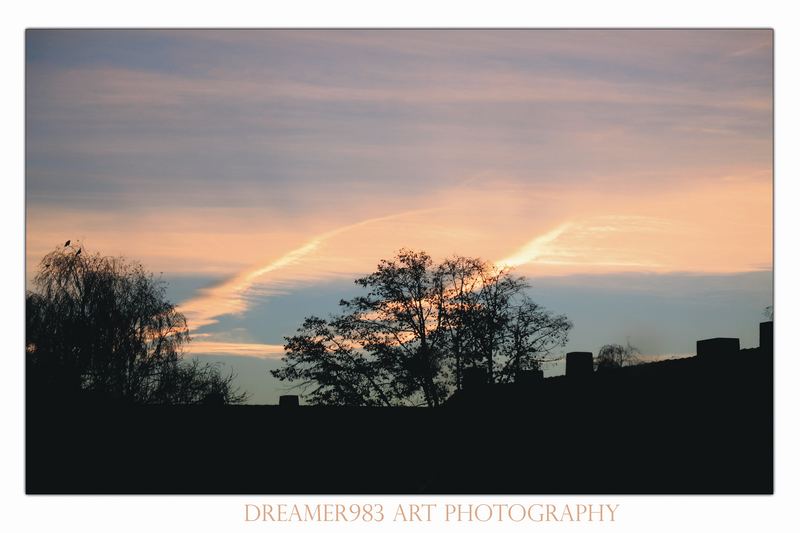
710	228
265	163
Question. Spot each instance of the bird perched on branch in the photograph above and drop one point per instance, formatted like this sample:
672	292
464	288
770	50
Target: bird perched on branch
67	243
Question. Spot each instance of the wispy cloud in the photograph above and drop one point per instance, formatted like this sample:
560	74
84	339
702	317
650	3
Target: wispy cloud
234	295
129	93
235	349
603	241
535	249
595	232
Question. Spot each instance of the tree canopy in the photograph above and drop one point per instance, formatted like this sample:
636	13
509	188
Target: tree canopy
616	356
102	327
418	326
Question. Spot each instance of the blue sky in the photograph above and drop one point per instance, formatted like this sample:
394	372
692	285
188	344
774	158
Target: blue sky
661	314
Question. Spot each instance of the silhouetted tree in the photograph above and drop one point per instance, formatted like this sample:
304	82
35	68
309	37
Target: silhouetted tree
616	356
461	279
102	326
399	325
408	340
333	369
531	333
493	323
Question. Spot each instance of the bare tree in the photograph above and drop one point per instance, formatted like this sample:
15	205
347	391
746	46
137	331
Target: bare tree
102	325
331	369
461	280
408	340
494	324
400	322
617	356
531	334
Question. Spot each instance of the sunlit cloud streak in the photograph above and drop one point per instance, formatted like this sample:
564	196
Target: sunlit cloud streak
609	235
235	349
233	295
586	242
533	250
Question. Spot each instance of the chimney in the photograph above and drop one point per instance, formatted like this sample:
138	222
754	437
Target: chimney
289	400
579	364
528	378
765	337
713	350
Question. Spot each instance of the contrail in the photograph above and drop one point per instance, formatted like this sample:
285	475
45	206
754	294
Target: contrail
230	296
534	248
546	251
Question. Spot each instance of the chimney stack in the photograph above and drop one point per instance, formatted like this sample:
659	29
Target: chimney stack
765	337
579	364
527	378
713	350
289	400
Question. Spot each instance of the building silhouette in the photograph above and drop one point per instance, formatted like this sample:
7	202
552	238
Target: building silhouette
698	425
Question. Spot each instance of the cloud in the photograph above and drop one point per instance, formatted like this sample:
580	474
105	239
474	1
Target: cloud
557	230
234	349
126	92
590	232
535	249
602	241
234	295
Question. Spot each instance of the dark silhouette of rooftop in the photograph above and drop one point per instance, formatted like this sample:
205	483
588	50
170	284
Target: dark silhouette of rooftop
698	425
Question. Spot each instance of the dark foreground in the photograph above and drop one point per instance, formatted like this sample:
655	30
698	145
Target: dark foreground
676	427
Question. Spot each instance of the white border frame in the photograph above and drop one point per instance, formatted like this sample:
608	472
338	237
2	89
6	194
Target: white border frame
226	513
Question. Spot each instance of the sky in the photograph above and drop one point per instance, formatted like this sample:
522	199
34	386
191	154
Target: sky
627	174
